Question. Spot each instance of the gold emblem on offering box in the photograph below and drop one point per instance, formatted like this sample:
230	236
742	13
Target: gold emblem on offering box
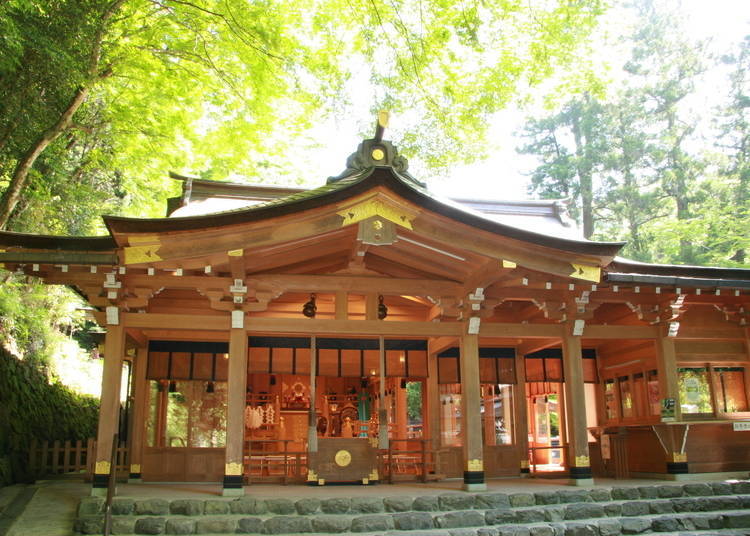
474	465
102	468
343	458
233	469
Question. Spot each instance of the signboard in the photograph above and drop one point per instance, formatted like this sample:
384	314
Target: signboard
668	409
606	452
741	426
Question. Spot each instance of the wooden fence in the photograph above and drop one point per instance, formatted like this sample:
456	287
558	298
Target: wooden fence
59	458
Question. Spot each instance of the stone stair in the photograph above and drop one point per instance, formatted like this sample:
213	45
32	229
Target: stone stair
695	508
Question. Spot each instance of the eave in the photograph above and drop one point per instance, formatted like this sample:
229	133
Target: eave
346	189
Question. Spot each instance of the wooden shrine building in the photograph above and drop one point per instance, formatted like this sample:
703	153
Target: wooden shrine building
323	333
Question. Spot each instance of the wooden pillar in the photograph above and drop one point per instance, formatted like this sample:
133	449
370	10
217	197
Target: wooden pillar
139	413
666	365
471	428
236	389
342	305
312	418
432	415
371	306
382	409
521	417
109	411
579	463
401	417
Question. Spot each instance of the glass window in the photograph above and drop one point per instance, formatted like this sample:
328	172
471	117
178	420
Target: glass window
497	414
195	414
639	394
609	400
695	393
626	397
450	414
654	402
153	413
729	385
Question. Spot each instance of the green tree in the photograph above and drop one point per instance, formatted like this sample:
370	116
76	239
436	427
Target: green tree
569	144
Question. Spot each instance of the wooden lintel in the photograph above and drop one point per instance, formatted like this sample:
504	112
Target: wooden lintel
141	341
360	284
529	347
712	333
535	331
353	327
439	344
58	257
594	331
175	321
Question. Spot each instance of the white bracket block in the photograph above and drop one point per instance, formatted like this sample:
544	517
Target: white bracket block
111	294
150	271
113	315
207	269
93	269
578	326
238	319
238	287
122	270
474	323
674	327
34	267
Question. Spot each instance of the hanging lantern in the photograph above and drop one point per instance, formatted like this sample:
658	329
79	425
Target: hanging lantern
210	387
309	309
382	309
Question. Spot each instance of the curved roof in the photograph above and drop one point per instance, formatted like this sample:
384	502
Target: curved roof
347	188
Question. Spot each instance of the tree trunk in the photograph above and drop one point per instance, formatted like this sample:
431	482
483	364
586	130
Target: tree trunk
583	168
12	194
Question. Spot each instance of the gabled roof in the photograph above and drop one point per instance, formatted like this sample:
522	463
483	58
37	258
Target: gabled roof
346	188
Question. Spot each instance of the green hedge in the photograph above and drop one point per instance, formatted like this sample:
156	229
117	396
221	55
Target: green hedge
32	408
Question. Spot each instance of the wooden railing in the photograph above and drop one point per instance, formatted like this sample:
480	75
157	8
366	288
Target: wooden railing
63	457
270	460
403	461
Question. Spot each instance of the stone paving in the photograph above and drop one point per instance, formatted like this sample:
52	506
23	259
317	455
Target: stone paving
709	508
510	507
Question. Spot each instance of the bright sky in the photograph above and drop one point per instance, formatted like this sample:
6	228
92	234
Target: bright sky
503	175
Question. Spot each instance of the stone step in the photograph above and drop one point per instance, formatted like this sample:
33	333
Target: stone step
606	512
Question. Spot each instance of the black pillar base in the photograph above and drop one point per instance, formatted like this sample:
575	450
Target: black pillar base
100	481
134	476
233	482
581	472
525	470
677	468
473	477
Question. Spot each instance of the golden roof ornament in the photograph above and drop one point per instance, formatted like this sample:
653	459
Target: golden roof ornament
377	152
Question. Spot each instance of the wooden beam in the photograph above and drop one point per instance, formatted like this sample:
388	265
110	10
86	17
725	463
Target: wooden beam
534	345
109	412
575	405
483	243
234	459
536	331
58	257
620	332
342	305
359	284
471	426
